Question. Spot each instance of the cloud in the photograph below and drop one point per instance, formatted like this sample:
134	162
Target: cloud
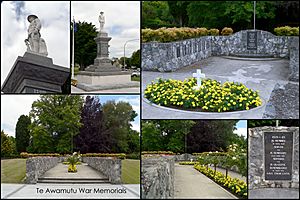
12	107
122	22
241	131
55	30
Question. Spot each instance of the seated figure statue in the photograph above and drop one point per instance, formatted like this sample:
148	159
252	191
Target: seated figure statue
34	42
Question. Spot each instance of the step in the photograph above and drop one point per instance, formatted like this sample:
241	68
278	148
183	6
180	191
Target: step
73	182
72	178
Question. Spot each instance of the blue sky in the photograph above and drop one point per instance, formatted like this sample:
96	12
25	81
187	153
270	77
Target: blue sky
21	105
241	127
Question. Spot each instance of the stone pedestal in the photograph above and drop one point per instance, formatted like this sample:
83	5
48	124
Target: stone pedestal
34	73
102	74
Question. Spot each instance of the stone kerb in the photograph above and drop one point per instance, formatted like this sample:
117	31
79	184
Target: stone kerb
168	57
256	166
111	167
158	177
37	166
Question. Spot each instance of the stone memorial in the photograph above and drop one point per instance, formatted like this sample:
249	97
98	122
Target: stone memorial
251	40
34	72
273	160
102	74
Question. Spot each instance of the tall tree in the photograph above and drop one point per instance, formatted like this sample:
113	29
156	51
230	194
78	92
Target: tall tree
94	136
22	133
8	146
118	117
155	14
210	135
178	9
55	121
168	135
85	46
135	59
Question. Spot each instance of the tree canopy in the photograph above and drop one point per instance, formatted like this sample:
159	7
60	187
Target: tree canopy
219	14
22	133
189	136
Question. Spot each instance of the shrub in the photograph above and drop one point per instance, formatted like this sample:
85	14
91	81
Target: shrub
211	97
117	155
187	163
135	156
27	155
158	152
72	168
226	31
287	31
214	31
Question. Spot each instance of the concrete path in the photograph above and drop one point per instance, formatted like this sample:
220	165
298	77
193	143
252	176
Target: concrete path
133	90
257	75
274	193
189	183
70	191
232	174
83	171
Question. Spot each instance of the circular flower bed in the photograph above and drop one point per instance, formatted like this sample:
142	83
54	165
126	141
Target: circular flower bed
212	96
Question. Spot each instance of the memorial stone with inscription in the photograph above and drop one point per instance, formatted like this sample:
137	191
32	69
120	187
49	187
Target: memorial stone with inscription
273	157
251	40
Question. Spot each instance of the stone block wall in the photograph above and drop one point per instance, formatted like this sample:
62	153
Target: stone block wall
36	167
294	59
267	44
158	177
111	167
256	166
184	157
168	57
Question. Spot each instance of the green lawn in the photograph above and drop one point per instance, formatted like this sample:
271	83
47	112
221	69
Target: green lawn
13	170
131	171
136	78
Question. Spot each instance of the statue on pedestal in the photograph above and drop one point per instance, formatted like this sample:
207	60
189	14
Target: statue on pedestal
101	20
34	42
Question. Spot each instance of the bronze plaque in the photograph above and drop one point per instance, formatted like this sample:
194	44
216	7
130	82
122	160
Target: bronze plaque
278	155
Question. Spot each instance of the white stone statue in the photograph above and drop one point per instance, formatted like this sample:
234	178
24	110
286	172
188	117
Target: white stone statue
101	20
34	42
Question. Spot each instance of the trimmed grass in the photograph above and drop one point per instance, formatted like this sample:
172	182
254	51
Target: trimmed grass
136	78
130	171
13	170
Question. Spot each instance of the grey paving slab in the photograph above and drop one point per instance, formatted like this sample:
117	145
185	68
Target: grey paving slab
70	191
83	171
274	193
257	75
189	183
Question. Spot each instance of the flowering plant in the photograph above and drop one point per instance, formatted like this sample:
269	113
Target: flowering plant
212	96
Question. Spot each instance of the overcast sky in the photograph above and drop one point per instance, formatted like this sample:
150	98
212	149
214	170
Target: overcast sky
13	106
55	19
122	22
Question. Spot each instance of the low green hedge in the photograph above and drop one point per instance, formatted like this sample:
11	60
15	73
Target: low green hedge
158	152
174	34
117	155
187	163
28	155
287	31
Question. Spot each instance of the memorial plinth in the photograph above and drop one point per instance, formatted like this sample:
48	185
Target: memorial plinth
102	74
34	73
